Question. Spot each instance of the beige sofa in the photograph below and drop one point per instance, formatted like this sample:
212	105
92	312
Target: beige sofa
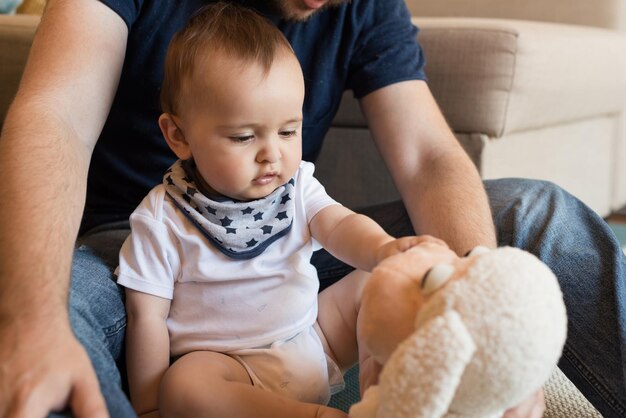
525	98
16	33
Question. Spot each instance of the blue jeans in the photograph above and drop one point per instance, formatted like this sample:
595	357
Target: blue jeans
537	216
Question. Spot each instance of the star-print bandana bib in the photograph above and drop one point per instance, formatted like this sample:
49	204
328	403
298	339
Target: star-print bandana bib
240	230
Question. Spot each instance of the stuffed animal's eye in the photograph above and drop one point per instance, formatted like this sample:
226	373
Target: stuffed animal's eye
478	250
436	277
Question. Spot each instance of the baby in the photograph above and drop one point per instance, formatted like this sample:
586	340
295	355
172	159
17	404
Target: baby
224	316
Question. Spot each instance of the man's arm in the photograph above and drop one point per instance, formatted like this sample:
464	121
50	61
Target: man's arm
439	184
48	136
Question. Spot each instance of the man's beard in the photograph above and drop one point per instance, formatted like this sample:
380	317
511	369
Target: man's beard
288	11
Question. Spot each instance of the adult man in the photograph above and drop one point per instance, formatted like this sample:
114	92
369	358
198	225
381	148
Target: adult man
90	88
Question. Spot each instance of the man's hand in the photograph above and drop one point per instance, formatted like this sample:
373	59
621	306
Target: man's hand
43	369
531	407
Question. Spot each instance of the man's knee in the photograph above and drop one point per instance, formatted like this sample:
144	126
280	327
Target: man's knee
525	196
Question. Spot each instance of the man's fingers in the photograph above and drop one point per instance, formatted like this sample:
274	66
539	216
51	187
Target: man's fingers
30	402
37	400
48	371
86	400
17	408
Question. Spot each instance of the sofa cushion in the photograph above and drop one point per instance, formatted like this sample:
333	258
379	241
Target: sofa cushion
523	75
501	76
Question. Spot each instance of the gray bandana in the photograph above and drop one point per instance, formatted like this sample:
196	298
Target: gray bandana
240	230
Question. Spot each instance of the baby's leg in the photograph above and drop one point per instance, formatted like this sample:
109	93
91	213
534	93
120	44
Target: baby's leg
339	307
207	384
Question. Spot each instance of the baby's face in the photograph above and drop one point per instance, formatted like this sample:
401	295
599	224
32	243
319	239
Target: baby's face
244	126
398	288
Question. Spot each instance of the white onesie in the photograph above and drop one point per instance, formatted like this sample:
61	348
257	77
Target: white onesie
219	303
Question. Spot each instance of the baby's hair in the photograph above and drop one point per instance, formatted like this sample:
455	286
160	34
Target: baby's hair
224	28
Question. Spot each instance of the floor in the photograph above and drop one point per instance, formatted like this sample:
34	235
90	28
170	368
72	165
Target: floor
619	216
617	220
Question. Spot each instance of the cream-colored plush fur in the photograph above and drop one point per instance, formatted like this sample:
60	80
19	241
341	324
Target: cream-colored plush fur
481	344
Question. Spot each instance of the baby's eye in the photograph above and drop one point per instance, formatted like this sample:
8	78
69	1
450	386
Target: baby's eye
288	133
241	138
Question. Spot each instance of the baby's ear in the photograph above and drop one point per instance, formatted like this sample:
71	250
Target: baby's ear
174	136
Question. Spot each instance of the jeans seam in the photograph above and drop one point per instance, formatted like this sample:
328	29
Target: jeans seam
598	387
115	328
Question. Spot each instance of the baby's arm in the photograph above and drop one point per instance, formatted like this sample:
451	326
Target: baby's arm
356	239
147	349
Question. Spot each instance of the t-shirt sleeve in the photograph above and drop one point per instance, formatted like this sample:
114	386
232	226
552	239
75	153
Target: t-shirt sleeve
127	9
313	193
149	262
387	50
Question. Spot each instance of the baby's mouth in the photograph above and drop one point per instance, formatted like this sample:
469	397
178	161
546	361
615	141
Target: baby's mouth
266	178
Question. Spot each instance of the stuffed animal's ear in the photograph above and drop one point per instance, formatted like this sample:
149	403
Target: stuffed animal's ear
422	374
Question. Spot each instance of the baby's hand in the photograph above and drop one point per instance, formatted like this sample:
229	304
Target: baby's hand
400	245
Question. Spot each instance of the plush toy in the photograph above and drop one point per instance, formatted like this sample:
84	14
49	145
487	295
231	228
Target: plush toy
467	339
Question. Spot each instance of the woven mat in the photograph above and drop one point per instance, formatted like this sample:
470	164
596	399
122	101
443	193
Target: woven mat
563	400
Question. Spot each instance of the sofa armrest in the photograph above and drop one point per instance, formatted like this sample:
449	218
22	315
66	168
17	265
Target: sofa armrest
495	77
16	36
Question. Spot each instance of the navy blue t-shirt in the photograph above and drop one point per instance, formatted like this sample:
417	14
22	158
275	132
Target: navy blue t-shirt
362	45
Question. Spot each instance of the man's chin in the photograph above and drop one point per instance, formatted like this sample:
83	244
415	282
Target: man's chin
298	10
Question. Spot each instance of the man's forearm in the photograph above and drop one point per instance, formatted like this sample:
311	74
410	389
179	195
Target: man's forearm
43	188
61	105
439	184
450	203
